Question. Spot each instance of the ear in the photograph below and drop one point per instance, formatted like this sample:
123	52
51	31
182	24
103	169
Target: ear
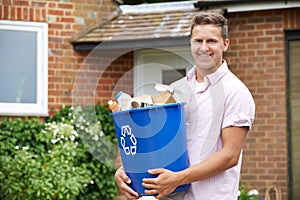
226	45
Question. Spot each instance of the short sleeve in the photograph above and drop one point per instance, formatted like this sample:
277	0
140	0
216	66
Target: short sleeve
239	108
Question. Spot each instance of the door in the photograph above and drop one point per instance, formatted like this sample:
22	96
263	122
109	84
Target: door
163	65
294	113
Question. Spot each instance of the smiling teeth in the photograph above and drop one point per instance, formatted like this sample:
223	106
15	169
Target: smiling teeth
204	55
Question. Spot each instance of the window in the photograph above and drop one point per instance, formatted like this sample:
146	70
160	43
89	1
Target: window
23	68
169	76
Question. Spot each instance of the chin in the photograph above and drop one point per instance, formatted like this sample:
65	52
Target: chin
206	65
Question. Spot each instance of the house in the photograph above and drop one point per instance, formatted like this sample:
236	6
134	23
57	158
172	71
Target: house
95	50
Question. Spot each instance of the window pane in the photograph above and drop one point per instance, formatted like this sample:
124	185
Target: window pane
18	66
169	76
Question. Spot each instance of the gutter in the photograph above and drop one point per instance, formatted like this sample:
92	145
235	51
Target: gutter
246	5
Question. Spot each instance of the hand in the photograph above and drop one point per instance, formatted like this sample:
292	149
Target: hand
122	181
164	184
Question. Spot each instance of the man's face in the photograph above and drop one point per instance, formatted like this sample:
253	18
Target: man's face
207	46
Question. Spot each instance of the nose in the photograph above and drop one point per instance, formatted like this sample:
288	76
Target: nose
204	46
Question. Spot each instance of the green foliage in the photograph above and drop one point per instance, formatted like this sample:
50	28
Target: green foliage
60	158
247	195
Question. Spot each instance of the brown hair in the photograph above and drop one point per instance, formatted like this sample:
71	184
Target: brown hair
211	18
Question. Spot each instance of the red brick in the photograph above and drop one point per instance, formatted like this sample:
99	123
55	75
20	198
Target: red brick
274	32
55	12
12	12
247	40
245	54
65	5
67	19
38	4
263	39
255	33
5	12
25	13
247	28
52	5
256	20
264	26
264	52
6	2
21	3
31	14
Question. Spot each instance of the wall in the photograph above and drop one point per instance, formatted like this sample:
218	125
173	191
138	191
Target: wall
257	56
66	19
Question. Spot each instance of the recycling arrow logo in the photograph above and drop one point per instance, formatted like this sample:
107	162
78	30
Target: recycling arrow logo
128	140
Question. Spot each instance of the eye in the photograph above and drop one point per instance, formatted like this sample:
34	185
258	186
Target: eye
211	41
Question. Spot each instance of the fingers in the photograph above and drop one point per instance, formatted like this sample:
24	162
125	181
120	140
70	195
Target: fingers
120	176
151	192
122	181
149	185
156	171
156	193
151	182
160	186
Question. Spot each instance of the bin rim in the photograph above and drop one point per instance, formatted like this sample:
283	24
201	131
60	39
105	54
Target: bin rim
148	108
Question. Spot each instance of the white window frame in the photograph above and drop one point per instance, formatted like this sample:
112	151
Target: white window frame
40	108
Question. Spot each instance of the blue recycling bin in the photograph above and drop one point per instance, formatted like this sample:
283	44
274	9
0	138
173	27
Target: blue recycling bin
149	138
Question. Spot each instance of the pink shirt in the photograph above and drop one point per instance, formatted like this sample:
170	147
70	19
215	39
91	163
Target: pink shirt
220	101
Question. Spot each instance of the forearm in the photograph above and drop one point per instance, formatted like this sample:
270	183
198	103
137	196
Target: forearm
167	181
212	166
233	139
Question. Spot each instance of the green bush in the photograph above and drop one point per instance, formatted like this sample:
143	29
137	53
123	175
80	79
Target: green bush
68	156
247	195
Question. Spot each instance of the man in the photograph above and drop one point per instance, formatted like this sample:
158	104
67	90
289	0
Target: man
219	114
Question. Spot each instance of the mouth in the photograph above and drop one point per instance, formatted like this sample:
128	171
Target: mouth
204	56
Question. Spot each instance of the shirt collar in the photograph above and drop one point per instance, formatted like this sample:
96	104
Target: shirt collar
210	79
218	74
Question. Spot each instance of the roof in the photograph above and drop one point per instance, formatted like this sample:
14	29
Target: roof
141	26
162	23
144	22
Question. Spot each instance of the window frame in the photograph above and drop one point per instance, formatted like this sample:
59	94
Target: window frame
40	108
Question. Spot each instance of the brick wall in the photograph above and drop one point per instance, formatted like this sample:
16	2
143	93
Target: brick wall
101	75
257	56
66	19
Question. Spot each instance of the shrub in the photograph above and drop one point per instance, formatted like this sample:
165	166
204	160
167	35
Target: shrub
50	159
247	195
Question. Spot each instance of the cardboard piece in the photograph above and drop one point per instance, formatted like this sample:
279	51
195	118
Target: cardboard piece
163	98
146	98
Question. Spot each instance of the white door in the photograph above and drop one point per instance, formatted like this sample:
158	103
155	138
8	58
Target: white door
160	65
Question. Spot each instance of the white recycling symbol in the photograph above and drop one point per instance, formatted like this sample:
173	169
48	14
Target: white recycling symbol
128	148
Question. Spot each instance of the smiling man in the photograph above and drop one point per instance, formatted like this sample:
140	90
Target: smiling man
219	114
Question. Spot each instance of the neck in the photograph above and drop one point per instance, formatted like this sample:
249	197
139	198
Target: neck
201	73
199	76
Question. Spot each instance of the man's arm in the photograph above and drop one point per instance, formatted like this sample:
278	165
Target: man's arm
233	140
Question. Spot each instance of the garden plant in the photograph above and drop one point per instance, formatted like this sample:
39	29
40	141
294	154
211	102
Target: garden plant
54	158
